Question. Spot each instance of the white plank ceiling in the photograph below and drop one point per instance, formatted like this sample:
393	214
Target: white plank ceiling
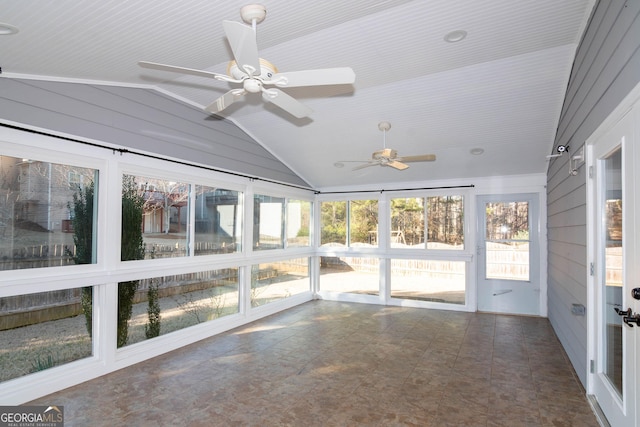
500	89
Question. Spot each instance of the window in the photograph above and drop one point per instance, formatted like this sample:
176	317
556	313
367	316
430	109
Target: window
298	223
407	222
441	216
507	240
445	222
363	223
160	305
358	275
218	227
76	180
268	222
155	218
333	223
428	280
274	281
42	330
36	204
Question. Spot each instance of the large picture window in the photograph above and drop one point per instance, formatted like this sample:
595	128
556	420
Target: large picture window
434	222
157	306
278	280
355	219
47	214
428	280
43	330
357	275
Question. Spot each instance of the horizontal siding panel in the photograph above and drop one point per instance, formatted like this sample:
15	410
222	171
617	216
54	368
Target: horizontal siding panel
561	201
557	183
575	235
121	121
572	336
571	278
606	68
568	218
604	16
567	252
114	110
614	50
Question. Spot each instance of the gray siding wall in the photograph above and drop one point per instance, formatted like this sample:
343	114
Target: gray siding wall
606	68
141	119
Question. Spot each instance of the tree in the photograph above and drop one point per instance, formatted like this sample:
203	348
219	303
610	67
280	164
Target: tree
152	328
131	248
334	222
83	202
363	221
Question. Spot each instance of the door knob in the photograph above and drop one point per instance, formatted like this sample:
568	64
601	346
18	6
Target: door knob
629	320
635	293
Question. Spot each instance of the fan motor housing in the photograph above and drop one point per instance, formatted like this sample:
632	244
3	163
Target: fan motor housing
387	153
267	70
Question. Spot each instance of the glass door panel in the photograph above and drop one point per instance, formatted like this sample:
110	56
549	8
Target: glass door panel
611	212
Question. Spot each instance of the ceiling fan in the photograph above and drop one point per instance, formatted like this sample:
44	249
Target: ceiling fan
254	73
389	157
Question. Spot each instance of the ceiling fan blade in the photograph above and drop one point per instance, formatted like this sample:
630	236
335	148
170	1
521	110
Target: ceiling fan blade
397	165
224	101
320	77
174	69
366	165
287	103
244	46
418	158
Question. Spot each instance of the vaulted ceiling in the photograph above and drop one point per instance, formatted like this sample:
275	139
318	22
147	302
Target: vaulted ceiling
500	88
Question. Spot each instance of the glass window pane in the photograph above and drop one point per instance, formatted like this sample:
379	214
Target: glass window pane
428	280
507	241
445	222
298	223
47	214
611	280
360	275
42	330
507	221
333	223
274	281
155	218
363	223
268	222
218	227
507	260
161	305
407	222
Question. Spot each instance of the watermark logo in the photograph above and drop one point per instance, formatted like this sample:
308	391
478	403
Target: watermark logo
31	416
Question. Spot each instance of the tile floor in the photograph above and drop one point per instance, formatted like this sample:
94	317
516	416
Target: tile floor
328	363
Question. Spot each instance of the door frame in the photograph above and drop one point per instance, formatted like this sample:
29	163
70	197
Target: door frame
629	105
535	239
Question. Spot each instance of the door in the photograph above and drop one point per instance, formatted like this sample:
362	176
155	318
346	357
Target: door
613	228
508	267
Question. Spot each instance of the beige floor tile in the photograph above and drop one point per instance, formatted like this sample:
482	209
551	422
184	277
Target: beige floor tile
352	365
